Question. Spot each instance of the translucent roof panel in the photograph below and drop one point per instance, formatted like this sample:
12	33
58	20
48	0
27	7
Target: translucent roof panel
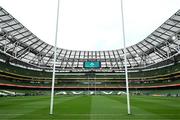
21	44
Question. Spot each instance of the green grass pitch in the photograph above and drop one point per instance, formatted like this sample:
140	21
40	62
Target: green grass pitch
89	108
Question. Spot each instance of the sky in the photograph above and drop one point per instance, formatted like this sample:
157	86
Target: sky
91	24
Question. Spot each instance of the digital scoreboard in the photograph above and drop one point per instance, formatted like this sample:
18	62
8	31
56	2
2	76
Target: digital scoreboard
92	64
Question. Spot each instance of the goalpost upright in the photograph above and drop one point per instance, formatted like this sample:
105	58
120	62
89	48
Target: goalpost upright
125	59
54	62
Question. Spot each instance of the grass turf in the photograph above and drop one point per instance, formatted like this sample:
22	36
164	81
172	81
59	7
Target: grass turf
89	108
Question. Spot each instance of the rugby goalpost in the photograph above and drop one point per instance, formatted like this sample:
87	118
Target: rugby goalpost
125	59
54	64
54	61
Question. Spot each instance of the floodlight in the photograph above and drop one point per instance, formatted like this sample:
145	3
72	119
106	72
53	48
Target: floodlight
137	55
10	36
174	37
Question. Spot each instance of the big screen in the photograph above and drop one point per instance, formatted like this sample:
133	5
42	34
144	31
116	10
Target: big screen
92	64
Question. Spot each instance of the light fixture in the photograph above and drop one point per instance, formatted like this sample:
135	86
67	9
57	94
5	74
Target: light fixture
174	37
10	36
137	55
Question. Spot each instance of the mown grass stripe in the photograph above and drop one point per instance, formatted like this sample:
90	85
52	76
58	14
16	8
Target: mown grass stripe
89	108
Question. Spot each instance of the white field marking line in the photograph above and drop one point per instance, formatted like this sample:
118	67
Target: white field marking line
93	114
110	114
11	114
153	114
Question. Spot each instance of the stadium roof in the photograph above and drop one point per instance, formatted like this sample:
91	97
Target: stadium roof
18	44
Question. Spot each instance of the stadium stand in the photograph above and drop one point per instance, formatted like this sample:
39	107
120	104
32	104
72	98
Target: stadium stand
26	61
